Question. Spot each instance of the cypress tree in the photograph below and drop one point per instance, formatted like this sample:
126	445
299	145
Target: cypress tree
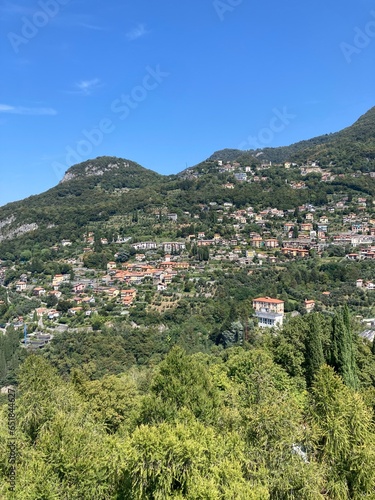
351	369
343	437
3	366
342	357
336	333
314	357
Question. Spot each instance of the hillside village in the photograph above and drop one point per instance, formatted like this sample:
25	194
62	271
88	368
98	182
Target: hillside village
153	276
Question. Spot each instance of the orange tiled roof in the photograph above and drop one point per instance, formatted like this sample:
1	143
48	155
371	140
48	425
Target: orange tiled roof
269	300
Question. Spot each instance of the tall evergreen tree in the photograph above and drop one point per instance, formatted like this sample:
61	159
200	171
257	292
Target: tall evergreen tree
342	357
3	366
314	357
351	373
233	335
343	437
336	334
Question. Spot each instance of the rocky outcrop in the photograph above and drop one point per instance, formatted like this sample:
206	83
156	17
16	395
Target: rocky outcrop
8	234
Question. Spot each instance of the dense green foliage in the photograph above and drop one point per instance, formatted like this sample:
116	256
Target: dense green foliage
314	355
11	355
231	424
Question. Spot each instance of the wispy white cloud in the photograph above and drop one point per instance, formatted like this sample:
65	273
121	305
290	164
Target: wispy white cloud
313	101
70	20
21	110
91	26
86	87
137	32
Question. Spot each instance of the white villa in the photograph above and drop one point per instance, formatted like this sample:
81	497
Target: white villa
270	312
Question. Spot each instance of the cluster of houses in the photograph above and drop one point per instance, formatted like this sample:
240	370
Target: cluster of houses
256	237
132	274
251	173
279	234
294	236
119	282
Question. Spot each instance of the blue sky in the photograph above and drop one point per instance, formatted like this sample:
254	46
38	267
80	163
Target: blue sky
168	83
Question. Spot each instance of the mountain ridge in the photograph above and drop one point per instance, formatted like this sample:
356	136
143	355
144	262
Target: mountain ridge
96	190
361	130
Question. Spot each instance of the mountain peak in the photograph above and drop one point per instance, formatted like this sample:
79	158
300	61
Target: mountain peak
96	167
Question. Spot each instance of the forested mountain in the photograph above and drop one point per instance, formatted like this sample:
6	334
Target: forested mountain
121	186
91	191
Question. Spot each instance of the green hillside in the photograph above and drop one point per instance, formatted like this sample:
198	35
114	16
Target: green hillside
353	148
96	191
